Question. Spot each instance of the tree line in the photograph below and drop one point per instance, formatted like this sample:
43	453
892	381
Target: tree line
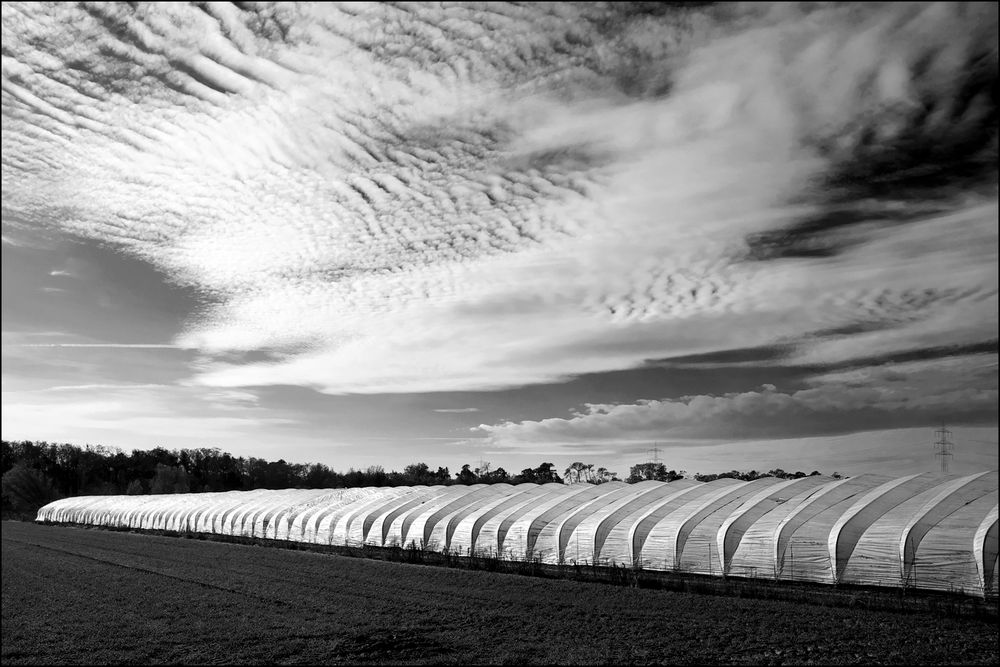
659	472
35	473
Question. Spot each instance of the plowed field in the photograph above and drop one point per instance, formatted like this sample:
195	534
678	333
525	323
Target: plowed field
72	595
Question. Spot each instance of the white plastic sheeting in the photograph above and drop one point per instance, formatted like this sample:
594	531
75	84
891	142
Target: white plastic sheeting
554	536
750	512
861	517
985	549
341	522
884	552
757	554
378	522
475	532
591	533
517	533
440	526
802	549
306	524
929	531
410	526
623	544
665	540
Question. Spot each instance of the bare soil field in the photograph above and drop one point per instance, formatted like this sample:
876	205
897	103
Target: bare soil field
72	595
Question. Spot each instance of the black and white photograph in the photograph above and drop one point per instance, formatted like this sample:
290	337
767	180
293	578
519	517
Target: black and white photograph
500	333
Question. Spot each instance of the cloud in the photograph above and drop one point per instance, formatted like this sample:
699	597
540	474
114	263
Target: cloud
91	387
456	410
956	390
143	346
129	415
429	198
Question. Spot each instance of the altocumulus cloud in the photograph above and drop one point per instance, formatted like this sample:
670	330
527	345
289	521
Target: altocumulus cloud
425	198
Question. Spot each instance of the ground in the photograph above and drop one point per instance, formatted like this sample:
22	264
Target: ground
72	595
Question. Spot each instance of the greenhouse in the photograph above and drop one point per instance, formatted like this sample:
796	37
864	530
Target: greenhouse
927	531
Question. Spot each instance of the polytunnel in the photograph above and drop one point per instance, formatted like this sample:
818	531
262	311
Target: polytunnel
622	544
284	522
303	523
268	523
465	538
408	527
735	526
883	554
433	523
518	533
321	525
927	531
379	520
554	543
655	541
445	521
339	523
590	532
801	543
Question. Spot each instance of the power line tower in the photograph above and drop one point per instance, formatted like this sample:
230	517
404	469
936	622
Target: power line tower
656	454
484	465
943	447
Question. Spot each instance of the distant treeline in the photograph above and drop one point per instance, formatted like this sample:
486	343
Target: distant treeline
658	471
35	473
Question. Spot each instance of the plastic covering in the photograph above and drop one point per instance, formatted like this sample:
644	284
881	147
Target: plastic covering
314	524
928	531
802	550
664	542
441	525
553	543
883	554
591	531
517	533
949	556
751	511
985	549
377	522
465	538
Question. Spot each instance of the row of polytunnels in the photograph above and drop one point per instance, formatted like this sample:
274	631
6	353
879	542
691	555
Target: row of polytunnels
926	531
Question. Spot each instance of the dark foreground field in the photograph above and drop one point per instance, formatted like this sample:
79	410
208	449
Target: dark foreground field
72	595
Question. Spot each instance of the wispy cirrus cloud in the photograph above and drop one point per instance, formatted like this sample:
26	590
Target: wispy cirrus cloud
421	198
118	414
145	346
101	386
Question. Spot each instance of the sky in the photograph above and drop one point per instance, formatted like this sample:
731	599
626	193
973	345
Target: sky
735	236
